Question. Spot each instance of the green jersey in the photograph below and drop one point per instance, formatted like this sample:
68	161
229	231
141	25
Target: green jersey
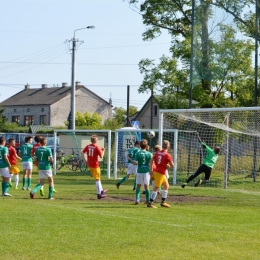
143	159
131	153
26	151
3	152
43	154
211	157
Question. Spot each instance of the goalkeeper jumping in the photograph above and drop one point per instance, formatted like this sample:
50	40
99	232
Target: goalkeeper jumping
206	167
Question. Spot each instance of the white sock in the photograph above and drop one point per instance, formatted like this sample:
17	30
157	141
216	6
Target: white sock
164	194
153	196
16	180
98	187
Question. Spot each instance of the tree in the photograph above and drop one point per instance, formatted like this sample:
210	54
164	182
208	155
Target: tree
3	119
121	113
219	56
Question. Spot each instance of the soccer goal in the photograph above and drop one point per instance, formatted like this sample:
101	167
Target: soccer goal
70	143
235	130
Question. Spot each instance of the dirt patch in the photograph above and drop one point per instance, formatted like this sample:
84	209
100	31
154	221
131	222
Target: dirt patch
179	199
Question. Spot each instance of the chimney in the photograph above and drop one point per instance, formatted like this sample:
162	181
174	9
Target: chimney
44	86
77	83
64	84
27	86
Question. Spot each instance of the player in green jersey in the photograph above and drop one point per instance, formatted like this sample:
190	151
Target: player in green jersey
132	168
43	156
206	166
4	170
27	161
143	159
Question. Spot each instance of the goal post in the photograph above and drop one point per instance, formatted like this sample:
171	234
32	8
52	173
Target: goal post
235	130
74	141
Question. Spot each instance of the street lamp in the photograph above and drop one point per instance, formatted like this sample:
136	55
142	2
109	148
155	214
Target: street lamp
73	72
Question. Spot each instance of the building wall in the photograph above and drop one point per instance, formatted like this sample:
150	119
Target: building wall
85	102
23	111
145	117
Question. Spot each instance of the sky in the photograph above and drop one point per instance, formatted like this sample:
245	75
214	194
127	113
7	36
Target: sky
35	47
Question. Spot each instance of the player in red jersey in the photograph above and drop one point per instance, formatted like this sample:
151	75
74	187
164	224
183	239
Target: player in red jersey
161	160
12	156
93	152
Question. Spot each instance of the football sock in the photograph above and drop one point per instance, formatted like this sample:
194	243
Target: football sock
37	187
6	186
147	195
153	196
98	188
3	187
29	182
24	181
16	180
50	192
134	184
123	180
164	194
137	195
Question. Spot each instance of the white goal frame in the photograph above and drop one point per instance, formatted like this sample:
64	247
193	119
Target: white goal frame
200	110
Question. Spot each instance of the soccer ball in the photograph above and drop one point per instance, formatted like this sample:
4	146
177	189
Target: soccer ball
151	134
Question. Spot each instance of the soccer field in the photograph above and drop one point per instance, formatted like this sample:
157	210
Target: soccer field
203	223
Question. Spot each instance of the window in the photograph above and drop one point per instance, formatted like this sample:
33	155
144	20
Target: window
15	110
28	109
42	109
43	120
28	120
16	119
155	108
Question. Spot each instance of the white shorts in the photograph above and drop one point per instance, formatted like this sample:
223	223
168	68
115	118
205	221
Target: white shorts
132	169
5	172
45	173
143	178
27	165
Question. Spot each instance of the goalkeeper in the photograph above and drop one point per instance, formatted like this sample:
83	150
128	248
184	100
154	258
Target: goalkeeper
206	167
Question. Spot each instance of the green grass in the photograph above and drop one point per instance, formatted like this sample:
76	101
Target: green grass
203	223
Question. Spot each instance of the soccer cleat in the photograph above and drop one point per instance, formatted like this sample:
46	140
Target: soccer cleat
10	185
23	188
134	189
197	183
118	185
42	191
54	190
103	192
51	198
100	196
28	188
16	187
183	185
6	194
32	195
136	203
164	204
151	205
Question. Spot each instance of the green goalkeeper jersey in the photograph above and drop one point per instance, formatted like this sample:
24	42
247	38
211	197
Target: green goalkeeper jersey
43	154
3	152
132	152
26	151
211	157
143	159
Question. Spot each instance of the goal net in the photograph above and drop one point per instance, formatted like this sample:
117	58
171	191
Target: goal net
69	144
235	130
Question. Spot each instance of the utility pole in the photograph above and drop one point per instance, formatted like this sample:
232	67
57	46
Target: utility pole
127	106
73	73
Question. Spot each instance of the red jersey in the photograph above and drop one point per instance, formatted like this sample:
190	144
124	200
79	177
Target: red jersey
12	155
161	159
35	146
93	151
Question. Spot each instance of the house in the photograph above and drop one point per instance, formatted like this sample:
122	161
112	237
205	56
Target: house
51	105
148	116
